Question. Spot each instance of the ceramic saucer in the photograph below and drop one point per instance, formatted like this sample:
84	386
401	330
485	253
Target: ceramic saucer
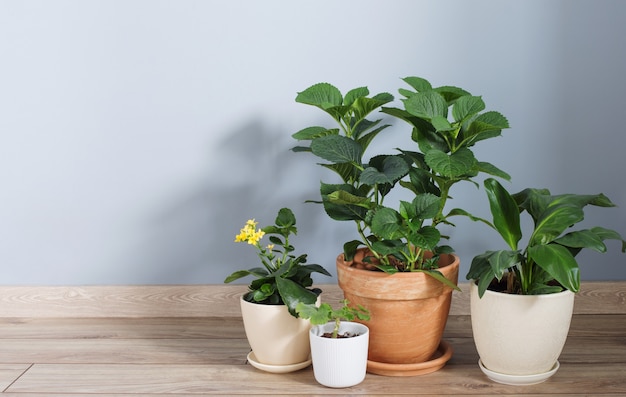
277	369
518	380
436	362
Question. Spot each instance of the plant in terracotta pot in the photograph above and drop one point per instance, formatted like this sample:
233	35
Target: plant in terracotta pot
278	338
398	262
526	294
338	344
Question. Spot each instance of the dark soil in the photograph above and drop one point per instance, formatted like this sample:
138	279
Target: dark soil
340	336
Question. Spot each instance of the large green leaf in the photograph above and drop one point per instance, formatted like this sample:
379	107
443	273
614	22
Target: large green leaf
337	149
427	104
467	106
311	133
418	83
256	272
501	261
426	205
384	169
553	222
453	165
322	95
386	223
557	261
484	126
342	211
355	93
343	197
363	106
451	93
608	234
505	212
347	171
491	169
426	238
582	239
292	293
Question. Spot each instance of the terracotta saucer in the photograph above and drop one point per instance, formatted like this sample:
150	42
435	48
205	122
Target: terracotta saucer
437	361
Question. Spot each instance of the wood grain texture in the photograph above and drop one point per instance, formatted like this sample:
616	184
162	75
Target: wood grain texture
204	352
220	300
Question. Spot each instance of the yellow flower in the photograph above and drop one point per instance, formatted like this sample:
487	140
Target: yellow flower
249	234
270	247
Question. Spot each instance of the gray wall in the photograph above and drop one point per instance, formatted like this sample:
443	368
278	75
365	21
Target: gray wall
136	137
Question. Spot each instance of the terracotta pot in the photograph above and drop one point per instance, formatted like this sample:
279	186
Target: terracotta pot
408	313
520	335
275	336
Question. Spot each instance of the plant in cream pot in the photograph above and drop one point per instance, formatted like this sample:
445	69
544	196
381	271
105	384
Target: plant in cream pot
522	297
397	267
278	337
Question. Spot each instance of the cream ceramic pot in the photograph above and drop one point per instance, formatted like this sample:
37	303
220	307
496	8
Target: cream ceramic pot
275	336
520	334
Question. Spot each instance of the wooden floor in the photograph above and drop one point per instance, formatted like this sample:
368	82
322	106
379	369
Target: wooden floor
189	341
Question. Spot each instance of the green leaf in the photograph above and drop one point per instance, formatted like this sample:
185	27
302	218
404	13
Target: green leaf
582	239
437	275
349	249
451	93
467	106
257	272
484	126
322	95
341	212
492	170
418	83
353	94
365	140
384	169
337	149
285	219
503	260
343	197
460	211
557	261
441	124
311	133
553	221
453	165
292	293
505	212
608	234
363	106
427	104
387	223
426	205
426	238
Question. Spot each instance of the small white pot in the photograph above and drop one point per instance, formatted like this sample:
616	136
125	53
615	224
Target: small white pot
275	336
520	335
339	362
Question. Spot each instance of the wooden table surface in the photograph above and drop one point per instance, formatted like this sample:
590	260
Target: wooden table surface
189	340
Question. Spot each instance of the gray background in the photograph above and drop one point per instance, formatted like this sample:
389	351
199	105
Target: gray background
137	137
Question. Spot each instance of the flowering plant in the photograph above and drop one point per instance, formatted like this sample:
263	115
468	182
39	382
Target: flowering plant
284	277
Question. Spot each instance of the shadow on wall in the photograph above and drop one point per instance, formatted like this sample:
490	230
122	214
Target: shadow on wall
252	173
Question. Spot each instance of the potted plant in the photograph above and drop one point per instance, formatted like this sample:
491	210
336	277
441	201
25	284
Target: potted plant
398	268
522	298
278	338
338	345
